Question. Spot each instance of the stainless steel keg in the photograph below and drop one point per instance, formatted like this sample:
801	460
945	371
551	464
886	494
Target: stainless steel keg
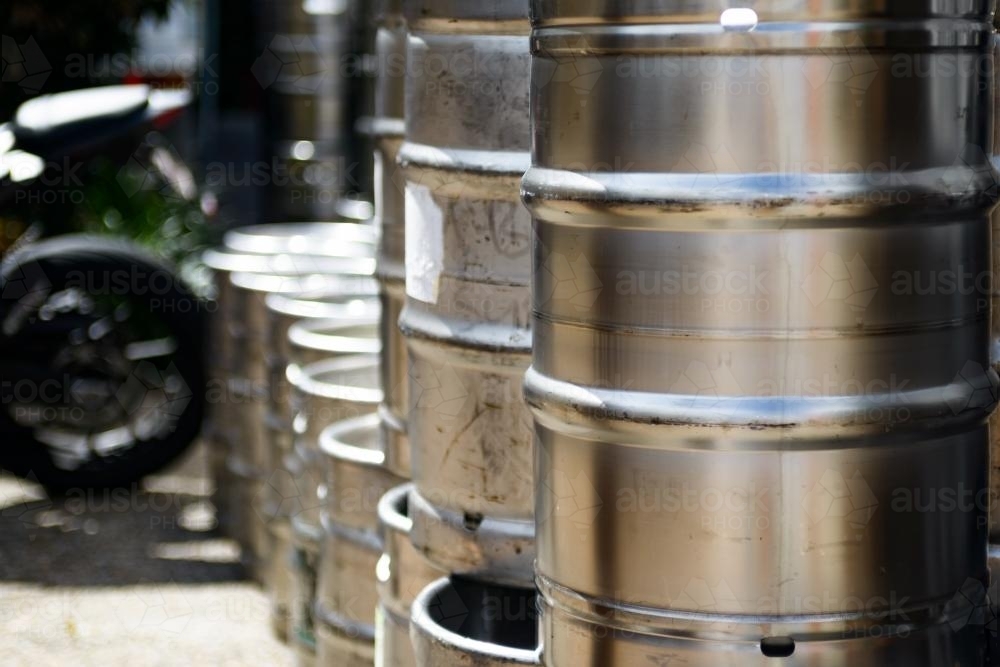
386	129
346	598
329	312
402	573
276	250
466	318
325	392
247	398
228	391
754	382
465	623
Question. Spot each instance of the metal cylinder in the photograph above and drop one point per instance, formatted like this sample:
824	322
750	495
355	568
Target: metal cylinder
248	396
346	597
465	623
402	573
466	318
386	130
228	391
325	392
749	407
329	313
277	250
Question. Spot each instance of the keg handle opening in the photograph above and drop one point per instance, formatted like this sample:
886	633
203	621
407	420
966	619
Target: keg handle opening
777	647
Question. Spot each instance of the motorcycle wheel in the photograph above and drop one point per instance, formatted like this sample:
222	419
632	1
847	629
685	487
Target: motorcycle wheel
102	377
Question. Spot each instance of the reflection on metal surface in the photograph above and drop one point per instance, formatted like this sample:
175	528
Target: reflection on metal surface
753	385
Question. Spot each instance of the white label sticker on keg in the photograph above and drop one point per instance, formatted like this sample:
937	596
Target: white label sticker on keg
424	243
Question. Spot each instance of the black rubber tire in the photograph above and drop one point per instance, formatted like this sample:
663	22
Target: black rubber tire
177	309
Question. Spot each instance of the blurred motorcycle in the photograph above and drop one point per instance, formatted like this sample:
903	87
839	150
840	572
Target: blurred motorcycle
102	378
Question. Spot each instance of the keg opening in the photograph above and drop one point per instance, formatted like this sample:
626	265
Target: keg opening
490	613
741	19
777	647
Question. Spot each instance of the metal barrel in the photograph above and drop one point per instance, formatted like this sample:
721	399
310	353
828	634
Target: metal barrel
466	318
246	398
402	573
385	127
306	71
466	623
325	392
750	408
278	250
334	247
346	598
337	308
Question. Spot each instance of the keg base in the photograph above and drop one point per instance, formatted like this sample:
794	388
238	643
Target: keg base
581	630
499	550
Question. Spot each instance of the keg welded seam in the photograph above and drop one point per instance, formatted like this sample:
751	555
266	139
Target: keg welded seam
630	12
561	405
767	38
682	201
664	622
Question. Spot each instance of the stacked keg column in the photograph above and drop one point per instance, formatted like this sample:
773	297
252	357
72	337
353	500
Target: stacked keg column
303	70
466	322
386	128
732	483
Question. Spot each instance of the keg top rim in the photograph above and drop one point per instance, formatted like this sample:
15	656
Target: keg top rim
299	237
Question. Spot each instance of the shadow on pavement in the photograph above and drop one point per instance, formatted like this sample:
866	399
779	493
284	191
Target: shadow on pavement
163	530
